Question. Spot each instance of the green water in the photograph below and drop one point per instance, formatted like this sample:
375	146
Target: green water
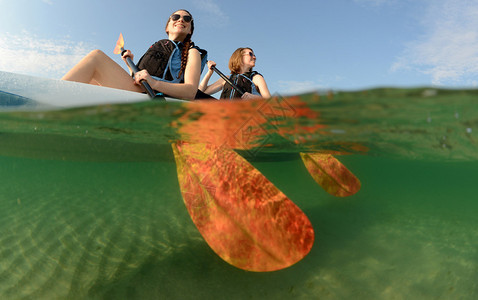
104	219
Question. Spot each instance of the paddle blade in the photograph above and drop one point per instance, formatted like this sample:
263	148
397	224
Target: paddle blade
242	216
119	45
331	174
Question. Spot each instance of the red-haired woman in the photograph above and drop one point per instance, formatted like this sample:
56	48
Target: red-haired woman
171	66
241	63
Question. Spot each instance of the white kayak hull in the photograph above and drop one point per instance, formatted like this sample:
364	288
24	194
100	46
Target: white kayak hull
31	91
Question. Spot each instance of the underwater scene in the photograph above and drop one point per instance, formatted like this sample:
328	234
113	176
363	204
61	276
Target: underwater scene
376	192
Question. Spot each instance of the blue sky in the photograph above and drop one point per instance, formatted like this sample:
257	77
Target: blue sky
300	45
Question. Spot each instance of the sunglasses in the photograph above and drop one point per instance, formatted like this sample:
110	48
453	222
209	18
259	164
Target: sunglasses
186	18
251	54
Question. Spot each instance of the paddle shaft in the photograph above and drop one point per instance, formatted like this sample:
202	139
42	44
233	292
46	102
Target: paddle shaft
238	89
135	69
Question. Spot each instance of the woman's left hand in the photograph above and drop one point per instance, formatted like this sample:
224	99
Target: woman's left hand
142	75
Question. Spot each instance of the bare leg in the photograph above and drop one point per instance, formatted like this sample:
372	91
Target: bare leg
98	68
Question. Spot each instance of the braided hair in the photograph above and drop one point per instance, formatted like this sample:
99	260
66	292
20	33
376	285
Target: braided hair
187	43
184	54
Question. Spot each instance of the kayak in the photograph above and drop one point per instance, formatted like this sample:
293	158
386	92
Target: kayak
257	129
23	92
117	224
248	222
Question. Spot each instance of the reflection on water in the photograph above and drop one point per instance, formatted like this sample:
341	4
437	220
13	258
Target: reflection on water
90	206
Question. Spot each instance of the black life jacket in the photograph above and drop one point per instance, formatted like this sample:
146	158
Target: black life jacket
243	81
163	60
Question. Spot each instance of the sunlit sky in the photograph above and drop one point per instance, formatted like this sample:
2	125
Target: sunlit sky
300	45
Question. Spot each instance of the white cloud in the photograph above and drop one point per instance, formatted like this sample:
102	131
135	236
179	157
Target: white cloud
49	2
212	8
28	54
375	2
448	49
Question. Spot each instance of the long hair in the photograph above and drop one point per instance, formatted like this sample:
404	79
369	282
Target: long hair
187	42
235	62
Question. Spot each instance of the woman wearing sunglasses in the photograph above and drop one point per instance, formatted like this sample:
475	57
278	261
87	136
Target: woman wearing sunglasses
171	66
241	63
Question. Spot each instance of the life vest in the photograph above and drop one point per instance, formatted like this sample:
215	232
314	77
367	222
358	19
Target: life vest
163	60
243	81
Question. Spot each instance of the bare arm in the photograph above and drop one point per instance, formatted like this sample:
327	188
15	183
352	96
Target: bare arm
186	90
216	86
125	54
205	80
262	85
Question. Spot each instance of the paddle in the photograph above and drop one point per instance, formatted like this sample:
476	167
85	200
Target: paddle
331	174
326	170
242	216
247	221
238	89
120	50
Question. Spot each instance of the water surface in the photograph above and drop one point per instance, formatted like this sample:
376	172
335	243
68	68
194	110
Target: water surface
90	206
